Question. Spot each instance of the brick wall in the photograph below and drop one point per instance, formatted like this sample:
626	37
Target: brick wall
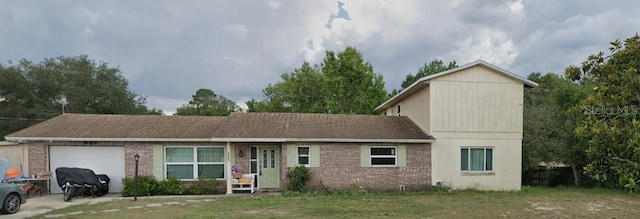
242	162
145	163
38	158
340	166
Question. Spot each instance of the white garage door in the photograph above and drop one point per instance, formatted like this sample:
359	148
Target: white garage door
101	159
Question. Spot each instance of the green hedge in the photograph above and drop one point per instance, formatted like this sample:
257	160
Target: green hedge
205	186
149	186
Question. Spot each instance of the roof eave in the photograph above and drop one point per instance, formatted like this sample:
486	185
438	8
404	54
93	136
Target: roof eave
73	139
347	140
268	140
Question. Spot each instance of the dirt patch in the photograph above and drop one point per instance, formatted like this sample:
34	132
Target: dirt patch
264	211
595	206
543	206
599	206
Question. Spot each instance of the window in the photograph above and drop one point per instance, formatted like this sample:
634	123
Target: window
194	162
303	156
383	156
476	159
398	110
254	160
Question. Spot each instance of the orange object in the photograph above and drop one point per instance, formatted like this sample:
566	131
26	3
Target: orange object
13	173
245	180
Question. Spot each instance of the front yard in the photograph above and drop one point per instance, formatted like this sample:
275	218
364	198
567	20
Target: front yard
531	202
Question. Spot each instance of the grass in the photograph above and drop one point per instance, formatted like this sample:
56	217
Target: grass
531	202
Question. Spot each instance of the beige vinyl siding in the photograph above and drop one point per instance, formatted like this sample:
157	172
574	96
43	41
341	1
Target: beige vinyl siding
158	162
476	100
506	174
477	107
416	107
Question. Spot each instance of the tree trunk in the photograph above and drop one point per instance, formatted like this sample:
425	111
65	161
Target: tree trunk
576	175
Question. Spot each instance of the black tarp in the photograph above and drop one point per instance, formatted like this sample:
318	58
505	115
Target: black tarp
81	176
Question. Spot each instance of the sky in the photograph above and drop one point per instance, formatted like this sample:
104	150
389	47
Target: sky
169	49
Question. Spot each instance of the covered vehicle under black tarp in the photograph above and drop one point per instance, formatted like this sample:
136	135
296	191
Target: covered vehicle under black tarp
82	176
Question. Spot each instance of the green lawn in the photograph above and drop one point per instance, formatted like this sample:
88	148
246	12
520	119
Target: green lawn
531	202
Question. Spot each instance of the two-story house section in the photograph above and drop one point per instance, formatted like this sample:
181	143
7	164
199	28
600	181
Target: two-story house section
475	113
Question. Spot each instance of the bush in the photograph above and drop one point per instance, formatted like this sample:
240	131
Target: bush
171	186
147	186
205	186
298	178
355	187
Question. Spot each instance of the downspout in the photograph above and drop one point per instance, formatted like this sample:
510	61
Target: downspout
228	169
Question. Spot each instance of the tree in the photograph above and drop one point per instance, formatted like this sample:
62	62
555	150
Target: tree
343	83
31	92
538	143
435	66
611	124
567	97
351	84
303	90
205	102
549	122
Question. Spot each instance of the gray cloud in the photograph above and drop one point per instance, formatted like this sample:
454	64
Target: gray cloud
169	49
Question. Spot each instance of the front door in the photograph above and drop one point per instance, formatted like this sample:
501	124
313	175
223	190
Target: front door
269	167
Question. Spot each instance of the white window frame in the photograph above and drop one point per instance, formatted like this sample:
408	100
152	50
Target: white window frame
394	156
195	162
298	155
484	164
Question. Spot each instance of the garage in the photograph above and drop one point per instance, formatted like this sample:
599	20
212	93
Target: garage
101	159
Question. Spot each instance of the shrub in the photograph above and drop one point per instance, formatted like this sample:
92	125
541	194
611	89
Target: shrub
147	186
205	186
443	186
298	178
171	186
355	187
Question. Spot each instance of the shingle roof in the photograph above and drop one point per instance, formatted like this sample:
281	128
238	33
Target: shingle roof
72	125
275	127
319	126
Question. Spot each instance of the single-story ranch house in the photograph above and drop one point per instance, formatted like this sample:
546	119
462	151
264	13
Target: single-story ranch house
460	128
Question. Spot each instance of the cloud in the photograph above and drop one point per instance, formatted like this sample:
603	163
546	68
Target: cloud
237	30
273	5
168	49
490	45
